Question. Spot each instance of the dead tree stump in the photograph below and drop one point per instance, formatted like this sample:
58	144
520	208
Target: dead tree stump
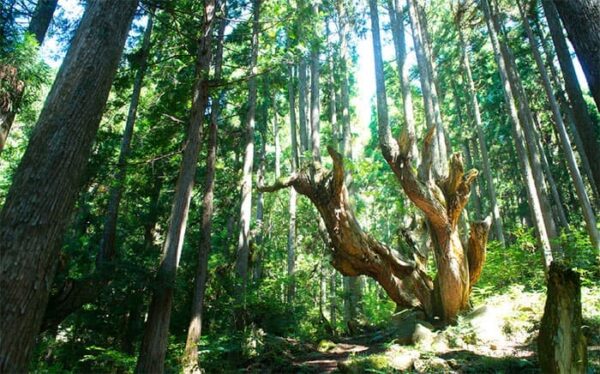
561	342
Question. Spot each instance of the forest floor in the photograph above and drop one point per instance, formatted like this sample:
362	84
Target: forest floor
496	337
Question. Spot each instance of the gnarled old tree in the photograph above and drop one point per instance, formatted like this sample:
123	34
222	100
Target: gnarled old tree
442	200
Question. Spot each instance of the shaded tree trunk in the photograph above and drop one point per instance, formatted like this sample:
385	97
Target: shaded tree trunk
562	346
190	360
154	343
583	122
36	212
315	107
302	94
243	248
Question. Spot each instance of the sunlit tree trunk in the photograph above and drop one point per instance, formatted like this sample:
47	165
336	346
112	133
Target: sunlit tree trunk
190	360
485	159
560	127
46	183
583	122
243	246
517	131
156	330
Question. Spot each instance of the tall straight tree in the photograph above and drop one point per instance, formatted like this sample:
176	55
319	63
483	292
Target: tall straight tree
45	186
584	200
517	131
475	111
243	247
583	122
154	342
291	239
397	23
439	154
190	360
580	18
72	295
315	106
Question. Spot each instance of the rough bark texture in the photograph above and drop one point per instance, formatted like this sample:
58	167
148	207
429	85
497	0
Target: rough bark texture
45	185
246	190
154	342
562	345
583	122
190	360
580	18
42	16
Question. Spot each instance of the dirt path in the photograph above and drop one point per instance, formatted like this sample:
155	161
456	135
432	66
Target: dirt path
326	362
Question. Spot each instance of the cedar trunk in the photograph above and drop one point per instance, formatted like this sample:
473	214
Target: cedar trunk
46	183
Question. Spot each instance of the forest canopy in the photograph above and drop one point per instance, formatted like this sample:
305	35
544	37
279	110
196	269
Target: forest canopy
299	186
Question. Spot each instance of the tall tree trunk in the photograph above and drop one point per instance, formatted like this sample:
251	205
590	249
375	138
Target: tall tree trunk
528	180
40	21
302	94
580	18
291	240
36	212
243	248
475	194
154	343
190	361
42	16
73	294
107	243
397	23
567	111
583	122
527	122
439	154
343	32
560	127
485	159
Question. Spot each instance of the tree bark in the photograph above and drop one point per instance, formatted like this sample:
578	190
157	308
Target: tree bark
154	343
191	363
243	248
527	174
560	127
487	172
304	132
580	18
42	16
583	122
562	346
343	32
45	186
